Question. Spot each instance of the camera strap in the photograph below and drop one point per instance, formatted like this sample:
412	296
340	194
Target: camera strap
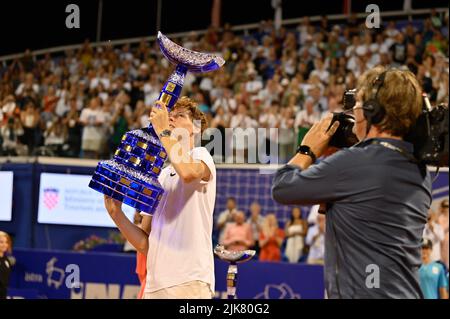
388	145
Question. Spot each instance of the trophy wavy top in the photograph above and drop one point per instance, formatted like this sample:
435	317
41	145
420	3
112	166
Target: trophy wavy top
196	62
234	256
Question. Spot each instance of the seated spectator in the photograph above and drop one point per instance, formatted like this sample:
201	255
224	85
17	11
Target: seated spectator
238	235
432	276
270	239
295	230
316	241
55	137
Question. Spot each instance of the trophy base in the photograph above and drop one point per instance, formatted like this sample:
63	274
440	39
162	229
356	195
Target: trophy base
127	185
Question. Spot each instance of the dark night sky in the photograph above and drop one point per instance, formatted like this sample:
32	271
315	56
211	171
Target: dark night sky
41	24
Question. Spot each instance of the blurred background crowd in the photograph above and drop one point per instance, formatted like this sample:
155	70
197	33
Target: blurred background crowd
80	103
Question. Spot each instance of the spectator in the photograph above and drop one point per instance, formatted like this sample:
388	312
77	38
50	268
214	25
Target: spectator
255	221
92	120
30	120
8	108
434	232
72	123
10	134
28	87
433	281
443	222
5	263
295	230
316	241
238	235
270	121
120	123
242	121
226	216
55	137
305	119
286	137
398	50
270	239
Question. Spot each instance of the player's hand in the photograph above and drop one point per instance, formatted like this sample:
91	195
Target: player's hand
112	205
318	137
159	117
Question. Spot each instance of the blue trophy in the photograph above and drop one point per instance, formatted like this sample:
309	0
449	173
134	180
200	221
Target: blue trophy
132	175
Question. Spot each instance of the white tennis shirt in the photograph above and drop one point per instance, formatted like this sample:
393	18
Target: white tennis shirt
180	242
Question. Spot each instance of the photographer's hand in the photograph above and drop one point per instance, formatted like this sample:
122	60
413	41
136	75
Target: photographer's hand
317	139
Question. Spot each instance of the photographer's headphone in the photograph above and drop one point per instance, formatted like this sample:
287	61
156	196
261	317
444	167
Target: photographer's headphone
374	111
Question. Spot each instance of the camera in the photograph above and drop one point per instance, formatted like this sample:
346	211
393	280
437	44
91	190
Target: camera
344	136
430	135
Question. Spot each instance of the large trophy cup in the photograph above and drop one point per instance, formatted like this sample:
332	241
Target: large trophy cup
132	175
233	258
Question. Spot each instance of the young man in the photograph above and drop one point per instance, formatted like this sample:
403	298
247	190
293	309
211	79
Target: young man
433	280
177	239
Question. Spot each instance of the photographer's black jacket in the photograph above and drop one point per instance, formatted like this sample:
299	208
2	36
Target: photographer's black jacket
377	206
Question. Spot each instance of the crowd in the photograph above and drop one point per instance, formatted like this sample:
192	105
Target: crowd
78	104
300	239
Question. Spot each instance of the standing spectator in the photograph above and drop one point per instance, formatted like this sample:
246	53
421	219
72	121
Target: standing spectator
316	241
242	121
27	85
120	123
238	235
5	263
295	230
286	132
227	102
72	122
226	216
92	120
270	121
270	239
255	221
432	278
305	119
30	121
398	50
443	221
434	232
221	122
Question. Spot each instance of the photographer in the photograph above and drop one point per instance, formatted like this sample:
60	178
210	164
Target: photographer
377	196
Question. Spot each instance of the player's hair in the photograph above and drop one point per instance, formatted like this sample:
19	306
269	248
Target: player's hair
194	112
